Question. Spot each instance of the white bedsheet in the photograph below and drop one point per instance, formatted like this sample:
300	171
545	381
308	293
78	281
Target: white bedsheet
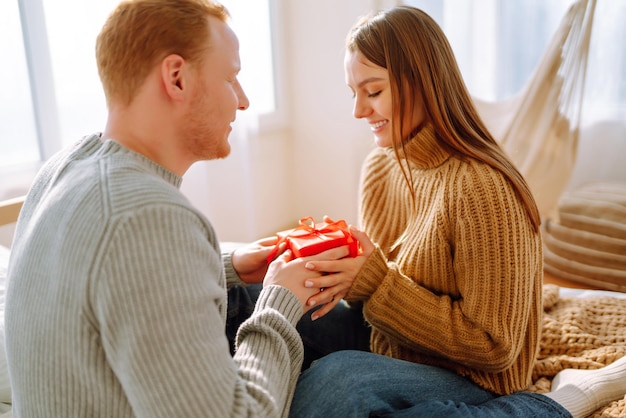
584	293
5	387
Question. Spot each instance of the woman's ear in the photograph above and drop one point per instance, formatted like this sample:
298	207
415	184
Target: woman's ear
173	72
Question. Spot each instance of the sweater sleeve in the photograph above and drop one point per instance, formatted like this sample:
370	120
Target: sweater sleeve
232	278
159	300
481	319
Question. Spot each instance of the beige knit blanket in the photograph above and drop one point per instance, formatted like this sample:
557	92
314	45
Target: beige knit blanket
581	333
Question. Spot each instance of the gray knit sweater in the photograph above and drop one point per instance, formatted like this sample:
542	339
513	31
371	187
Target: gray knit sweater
116	301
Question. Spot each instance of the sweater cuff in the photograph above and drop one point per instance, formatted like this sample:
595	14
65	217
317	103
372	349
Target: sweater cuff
369	277
232	278
282	300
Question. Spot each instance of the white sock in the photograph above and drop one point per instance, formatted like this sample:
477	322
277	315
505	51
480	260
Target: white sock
582	392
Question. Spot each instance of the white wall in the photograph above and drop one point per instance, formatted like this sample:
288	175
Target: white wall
601	154
329	144
6	234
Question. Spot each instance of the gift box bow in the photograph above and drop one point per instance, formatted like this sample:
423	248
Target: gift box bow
310	238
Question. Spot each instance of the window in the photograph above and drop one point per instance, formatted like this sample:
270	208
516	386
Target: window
54	96
498	44
81	106
18	137
250	19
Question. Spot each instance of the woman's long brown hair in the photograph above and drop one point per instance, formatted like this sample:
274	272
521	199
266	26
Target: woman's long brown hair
423	71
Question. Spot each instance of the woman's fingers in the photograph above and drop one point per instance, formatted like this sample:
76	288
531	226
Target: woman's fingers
328	291
367	246
327	307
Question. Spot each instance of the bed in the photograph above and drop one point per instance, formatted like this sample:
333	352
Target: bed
9	210
583	327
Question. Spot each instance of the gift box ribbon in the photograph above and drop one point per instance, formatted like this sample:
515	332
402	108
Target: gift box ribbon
308	228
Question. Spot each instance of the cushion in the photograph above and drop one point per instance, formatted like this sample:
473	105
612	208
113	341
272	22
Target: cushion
587	243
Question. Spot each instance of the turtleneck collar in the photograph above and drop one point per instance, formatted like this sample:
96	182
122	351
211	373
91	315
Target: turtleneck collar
424	150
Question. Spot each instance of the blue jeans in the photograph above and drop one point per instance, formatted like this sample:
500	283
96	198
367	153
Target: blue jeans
343	328
241	301
343	383
359	384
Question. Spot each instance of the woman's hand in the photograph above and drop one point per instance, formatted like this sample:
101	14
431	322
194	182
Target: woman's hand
336	276
293	274
250	261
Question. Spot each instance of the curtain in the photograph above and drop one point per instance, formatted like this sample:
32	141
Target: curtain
540	126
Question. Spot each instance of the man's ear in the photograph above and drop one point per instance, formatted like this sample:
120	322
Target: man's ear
173	73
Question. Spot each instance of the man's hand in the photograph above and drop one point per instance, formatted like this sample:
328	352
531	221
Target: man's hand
292	273
250	261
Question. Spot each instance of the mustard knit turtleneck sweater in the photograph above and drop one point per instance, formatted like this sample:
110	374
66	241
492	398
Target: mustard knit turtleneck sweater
463	288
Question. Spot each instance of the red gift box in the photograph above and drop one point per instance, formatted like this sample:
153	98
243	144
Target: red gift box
311	238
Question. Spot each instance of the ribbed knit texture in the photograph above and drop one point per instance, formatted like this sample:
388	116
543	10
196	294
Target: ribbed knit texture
116	301
463	288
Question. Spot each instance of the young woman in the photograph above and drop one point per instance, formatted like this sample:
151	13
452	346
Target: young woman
452	289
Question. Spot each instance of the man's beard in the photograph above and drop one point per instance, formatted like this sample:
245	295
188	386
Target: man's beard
200	136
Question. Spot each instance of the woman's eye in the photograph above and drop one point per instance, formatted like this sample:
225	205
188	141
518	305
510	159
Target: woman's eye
371	95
